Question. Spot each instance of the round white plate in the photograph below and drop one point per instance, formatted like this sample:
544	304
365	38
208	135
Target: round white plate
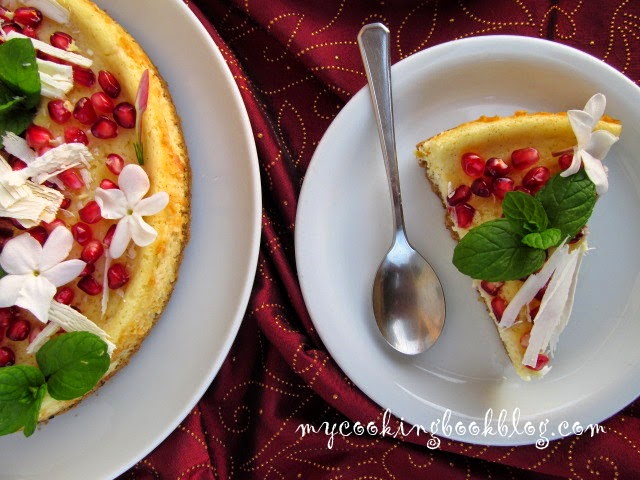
344	229
136	410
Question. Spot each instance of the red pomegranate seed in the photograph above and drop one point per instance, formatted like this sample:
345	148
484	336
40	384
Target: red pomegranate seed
498	304
461	194
5	14
7	316
82	233
115	163
9	27
105	128
533	312
501	185
92	251
524	339
107	184
565	160
7	357
90	213
84	111
75	135
464	214
84	76
28	16
19	330
472	164
522	189
117	275
51	226
90	285
109	83
17	164
102	103
39	233
524	157
61	40
66	203
492	288
58	111
72	179
125	115
496	167
30	32
541	292
480	188
35	331
38	136
65	295
540	362
89	268
535	178
109	235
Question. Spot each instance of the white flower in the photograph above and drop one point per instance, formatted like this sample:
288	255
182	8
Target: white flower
592	146
128	205
34	271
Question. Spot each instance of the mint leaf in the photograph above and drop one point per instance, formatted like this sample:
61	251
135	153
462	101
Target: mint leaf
17	380
22	389
73	363
568	201
543	240
2	272
32	415
525	211
493	251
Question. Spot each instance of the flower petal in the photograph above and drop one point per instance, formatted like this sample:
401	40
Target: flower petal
36	295
112	202
152	205
121	237
142	233
595	107
56	248
576	163
134	183
64	272
21	255
596	172
600	143
10	287
582	124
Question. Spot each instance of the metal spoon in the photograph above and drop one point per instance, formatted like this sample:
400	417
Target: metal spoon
408	301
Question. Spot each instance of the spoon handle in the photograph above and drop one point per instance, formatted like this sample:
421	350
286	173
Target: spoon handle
373	40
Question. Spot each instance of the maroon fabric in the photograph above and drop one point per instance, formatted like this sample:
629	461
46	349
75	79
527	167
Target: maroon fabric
297	63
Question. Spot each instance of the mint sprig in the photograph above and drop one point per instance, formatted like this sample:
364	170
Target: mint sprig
69	366
514	247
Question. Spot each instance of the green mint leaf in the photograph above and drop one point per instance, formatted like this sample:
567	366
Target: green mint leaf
17	381
73	363
32	415
22	389
493	251
137	146
19	70
525	211
568	201
543	240
2	272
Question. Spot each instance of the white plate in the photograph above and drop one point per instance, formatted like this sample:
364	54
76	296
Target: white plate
343	229
135	411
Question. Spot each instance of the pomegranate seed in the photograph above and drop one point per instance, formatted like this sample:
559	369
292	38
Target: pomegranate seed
107	184
459	195
492	288
480	188
88	270
125	115
464	214
524	340
501	185
540	362
61	40
90	285
51	226
72	179
39	233
29	32
524	157
109	235
115	163
82	233
109	83
565	160
522	189
533	312
84	76
92	251
66	203
38	136
28	16
498	304
35	331
75	135
105	128
578	235
9	27
535	178
496	167
102	103
7	316
19	330
58	111
7	357
84	111
90	213
17	224
17	164
472	164
65	295
117	275
5	14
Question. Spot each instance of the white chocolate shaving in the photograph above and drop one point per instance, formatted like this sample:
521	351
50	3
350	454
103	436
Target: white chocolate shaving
56	80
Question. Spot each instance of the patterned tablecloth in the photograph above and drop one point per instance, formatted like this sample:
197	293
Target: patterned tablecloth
297	63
